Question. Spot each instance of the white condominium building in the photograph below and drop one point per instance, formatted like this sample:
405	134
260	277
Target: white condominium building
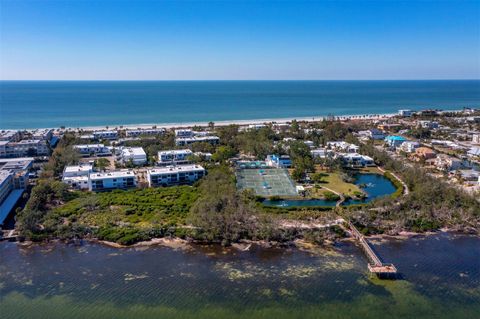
174	157
184	133
182	141
173	175
149	132
76	176
93	150
112	180
105	135
135	155
24	148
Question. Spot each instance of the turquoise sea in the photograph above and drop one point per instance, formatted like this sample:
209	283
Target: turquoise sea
34	104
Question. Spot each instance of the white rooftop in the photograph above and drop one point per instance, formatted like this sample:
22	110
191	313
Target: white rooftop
112	174
183	151
88	145
175	169
133	151
78	168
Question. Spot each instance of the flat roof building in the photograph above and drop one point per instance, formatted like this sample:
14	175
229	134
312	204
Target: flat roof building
121	179
76	176
174	175
135	155
174	157
182	141
93	150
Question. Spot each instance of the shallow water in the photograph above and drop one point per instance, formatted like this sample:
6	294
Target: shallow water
441	280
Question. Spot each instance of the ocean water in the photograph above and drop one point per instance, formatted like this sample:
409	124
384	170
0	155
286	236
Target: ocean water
441	279
35	104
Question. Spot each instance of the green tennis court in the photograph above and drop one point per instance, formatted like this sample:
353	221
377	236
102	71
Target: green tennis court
266	182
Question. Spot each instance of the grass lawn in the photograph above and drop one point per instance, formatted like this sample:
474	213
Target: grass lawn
334	182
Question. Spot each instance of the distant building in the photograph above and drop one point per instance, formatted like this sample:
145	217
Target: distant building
428	124
174	175
183	141
10	135
405	113
394	141
41	134
174	157
309	144
319	153
76	176
425	153
476	138
373	134
389	126
409	146
145	132
184	133
93	150
105	135
355	160
474	153
445	162
135	155
122	179
343	147
282	161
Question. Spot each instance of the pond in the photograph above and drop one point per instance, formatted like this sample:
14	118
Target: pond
374	185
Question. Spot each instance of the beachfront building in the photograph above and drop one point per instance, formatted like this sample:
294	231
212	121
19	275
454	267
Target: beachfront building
145	132
134	155
405	113
41	134
10	135
278	161
409	146
174	175
93	150
174	157
121	179
76	176
105	135
183	141
394	141
184	133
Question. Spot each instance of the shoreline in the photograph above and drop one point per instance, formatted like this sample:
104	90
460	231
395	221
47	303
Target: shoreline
178	243
244	122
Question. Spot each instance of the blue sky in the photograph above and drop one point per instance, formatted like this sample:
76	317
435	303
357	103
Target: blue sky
175	40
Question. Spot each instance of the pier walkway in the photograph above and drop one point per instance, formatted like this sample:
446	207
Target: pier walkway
375	266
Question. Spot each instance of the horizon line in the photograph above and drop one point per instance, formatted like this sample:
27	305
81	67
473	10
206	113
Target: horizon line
225	80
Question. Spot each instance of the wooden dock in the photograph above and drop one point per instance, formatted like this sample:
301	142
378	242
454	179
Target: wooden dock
375	265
